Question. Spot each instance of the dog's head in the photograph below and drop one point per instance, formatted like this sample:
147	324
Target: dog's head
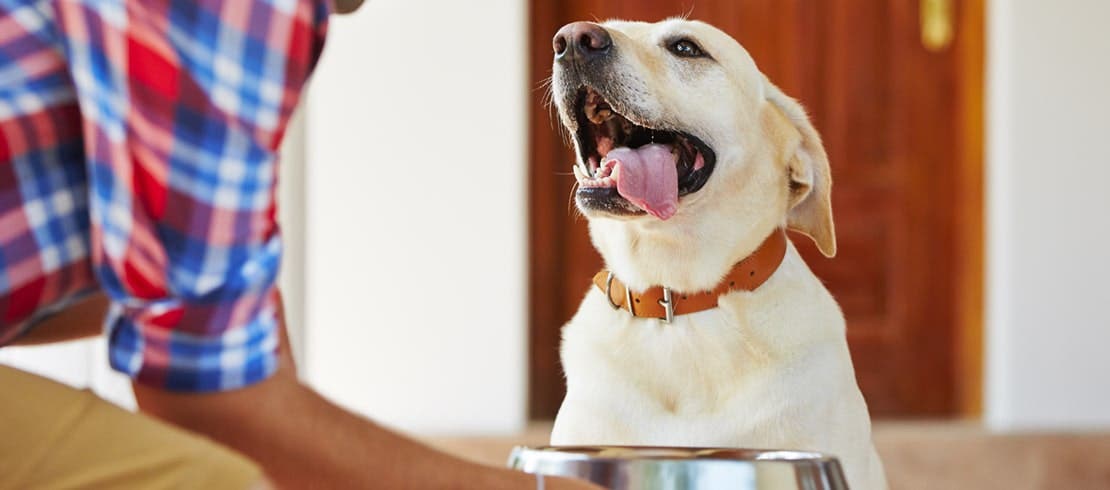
678	133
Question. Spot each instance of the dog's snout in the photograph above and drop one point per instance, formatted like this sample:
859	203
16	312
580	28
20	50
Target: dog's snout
581	39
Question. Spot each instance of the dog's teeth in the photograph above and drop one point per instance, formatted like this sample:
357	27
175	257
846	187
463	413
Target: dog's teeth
606	169
578	173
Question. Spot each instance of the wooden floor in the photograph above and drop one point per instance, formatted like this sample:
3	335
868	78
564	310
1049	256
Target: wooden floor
924	455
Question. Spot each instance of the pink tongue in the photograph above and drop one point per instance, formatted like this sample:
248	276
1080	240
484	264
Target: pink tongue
647	177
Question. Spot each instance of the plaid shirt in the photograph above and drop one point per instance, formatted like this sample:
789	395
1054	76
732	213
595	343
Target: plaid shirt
138	148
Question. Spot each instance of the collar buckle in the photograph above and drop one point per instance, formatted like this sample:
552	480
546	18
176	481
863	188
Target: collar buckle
627	295
609	295
668	305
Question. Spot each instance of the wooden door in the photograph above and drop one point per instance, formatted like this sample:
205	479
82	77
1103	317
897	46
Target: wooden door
902	126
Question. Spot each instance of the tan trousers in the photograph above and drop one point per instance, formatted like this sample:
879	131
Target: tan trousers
56	437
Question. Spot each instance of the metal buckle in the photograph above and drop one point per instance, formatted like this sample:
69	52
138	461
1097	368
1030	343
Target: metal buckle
667	302
668	305
609	295
609	291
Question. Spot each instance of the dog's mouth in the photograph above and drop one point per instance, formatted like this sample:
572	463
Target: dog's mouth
628	168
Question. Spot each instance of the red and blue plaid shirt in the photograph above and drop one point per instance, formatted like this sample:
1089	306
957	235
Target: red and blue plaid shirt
138	146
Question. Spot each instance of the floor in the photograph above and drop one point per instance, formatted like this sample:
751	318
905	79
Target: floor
924	455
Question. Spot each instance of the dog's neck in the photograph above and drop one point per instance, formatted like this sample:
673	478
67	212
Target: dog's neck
695	259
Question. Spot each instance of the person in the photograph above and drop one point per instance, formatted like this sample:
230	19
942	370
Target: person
138	162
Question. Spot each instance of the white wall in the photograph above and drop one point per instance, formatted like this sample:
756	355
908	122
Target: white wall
1048	251
416	218
291	216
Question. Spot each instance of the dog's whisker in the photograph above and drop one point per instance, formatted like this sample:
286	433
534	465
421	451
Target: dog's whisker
571	208
548	100
690	12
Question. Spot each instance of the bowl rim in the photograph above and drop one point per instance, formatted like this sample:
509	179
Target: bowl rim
672	453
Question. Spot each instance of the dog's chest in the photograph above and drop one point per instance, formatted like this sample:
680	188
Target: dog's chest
711	378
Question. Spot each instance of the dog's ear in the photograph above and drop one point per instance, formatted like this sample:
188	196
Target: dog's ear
810	208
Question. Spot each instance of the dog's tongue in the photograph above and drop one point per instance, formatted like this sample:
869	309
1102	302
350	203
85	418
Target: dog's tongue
647	177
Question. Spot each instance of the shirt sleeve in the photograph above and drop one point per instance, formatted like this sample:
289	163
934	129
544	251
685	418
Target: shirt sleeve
184	104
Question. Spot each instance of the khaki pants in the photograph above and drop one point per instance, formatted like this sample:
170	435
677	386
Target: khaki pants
54	437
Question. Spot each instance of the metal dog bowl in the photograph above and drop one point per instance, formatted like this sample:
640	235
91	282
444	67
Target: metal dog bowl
667	468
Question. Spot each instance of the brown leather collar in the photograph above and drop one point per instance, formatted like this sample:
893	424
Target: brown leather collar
663	303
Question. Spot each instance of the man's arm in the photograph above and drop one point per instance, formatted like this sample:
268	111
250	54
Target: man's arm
80	320
302	440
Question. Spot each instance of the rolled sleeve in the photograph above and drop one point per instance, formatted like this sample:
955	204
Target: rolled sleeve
184	105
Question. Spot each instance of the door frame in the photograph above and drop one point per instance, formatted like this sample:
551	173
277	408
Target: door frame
970	52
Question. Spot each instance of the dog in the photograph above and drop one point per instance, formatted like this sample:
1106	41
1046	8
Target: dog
707	329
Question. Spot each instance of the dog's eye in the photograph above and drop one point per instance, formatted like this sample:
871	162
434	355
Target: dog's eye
686	49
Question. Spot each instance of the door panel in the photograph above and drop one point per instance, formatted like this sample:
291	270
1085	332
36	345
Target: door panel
893	118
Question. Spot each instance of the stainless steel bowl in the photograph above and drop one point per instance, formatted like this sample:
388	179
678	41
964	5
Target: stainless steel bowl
651	468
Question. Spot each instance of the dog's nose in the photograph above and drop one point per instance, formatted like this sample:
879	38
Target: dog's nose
581	39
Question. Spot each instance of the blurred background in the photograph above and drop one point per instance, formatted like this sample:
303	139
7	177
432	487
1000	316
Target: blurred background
968	146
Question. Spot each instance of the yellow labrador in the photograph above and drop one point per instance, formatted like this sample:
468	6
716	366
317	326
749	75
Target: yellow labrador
691	163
